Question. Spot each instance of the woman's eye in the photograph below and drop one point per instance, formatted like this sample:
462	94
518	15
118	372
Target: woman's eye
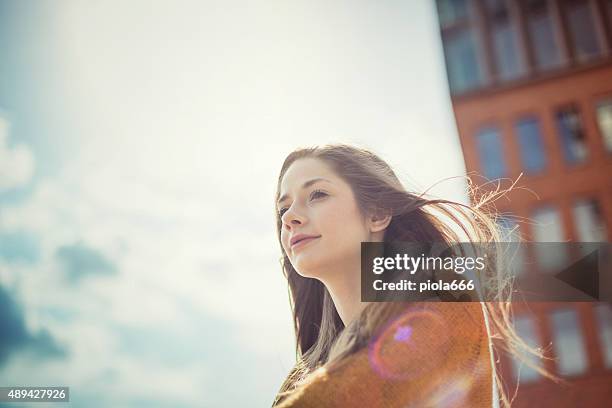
317	194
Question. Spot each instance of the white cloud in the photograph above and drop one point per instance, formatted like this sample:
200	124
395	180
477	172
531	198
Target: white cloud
16	162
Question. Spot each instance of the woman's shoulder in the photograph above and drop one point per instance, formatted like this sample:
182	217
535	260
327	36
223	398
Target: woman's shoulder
418	354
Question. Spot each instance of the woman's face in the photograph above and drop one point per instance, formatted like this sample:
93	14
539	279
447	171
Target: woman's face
315	202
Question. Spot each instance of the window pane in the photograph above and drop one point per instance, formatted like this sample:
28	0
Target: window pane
582	30
495	7
568	343
526	330
451	11
603	314
548	227
462	61
531	145
491	153
542	35
509	228
514	258
604	120
507	60
589	221
572	135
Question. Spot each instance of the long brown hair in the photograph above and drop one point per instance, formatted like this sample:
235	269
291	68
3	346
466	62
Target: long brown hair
320	333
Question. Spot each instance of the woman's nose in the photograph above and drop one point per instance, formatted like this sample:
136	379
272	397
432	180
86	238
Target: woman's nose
291	218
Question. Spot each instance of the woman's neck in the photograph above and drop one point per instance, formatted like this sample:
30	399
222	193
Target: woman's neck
345	291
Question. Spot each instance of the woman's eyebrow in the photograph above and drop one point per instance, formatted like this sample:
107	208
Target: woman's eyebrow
305	185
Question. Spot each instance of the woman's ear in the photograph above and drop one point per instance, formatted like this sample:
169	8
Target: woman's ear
379	220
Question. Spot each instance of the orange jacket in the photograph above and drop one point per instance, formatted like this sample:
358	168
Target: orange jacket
430	354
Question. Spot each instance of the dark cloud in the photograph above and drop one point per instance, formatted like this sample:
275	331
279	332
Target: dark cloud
79	260
19	247
15	337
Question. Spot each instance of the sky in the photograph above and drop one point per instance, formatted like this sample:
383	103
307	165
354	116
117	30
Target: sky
140	143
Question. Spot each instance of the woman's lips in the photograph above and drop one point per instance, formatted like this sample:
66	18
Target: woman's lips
303	242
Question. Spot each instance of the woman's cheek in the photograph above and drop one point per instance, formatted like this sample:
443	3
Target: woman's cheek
284	242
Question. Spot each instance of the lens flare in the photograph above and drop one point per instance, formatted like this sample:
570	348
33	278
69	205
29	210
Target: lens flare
410	346
455	392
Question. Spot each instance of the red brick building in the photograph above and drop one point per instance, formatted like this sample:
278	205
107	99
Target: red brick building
531	88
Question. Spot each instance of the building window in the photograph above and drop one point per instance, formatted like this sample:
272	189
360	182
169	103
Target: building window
452	11
581	27
462	60
541	32
508	63
589	221
572	135
492	162
531	145
548	228
603	314
604	120
513	252
568	343
526	330
460	45
508	227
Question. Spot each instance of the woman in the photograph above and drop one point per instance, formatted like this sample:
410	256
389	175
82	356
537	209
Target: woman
388	354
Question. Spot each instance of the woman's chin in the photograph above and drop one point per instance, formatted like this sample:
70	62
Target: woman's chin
306	273
308	268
